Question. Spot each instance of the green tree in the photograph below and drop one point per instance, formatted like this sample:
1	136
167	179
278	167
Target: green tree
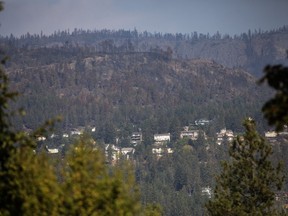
92	189
153	210
248	181
276	109
28	183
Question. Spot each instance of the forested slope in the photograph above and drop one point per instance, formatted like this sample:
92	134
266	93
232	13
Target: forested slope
122	81
149	90
250	51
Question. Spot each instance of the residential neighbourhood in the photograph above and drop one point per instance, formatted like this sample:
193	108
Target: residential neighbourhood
161	141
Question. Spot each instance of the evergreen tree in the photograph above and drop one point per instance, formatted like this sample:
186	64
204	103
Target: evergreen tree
28	183
92	189
153	210
276	109
248	181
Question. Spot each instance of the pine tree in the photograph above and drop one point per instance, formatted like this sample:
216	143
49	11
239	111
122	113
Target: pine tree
248	181
93	189
28	183
276	109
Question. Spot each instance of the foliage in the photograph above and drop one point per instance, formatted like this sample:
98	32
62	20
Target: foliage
129	91
249	50
175	180
153	210
276	109
248	181
118	80
92	189
29	184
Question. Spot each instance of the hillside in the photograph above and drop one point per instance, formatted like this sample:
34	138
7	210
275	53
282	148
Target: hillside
123	82
130	90
250	51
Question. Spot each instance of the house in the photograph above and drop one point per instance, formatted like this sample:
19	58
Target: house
206	191
270	134
160	144
202	122
191	134
53	135
112	152
277	138
41	138
51	151
160	139
76	132
160	151
112	147
65	135
224	135
136	138
127	152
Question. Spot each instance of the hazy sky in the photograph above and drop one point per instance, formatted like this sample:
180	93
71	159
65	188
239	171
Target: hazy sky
184	16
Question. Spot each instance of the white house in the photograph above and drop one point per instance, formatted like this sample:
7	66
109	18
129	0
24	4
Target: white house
127	152
51	151
202	122
115	151
76	132
53	136
41	138
162	138
136	138
224	135
159	151
65	135
207	191
170	150
191	134
270	134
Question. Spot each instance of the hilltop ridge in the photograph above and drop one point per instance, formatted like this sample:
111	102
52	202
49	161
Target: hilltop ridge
250	51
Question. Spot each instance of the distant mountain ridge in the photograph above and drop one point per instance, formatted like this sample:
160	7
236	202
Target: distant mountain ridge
250	51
